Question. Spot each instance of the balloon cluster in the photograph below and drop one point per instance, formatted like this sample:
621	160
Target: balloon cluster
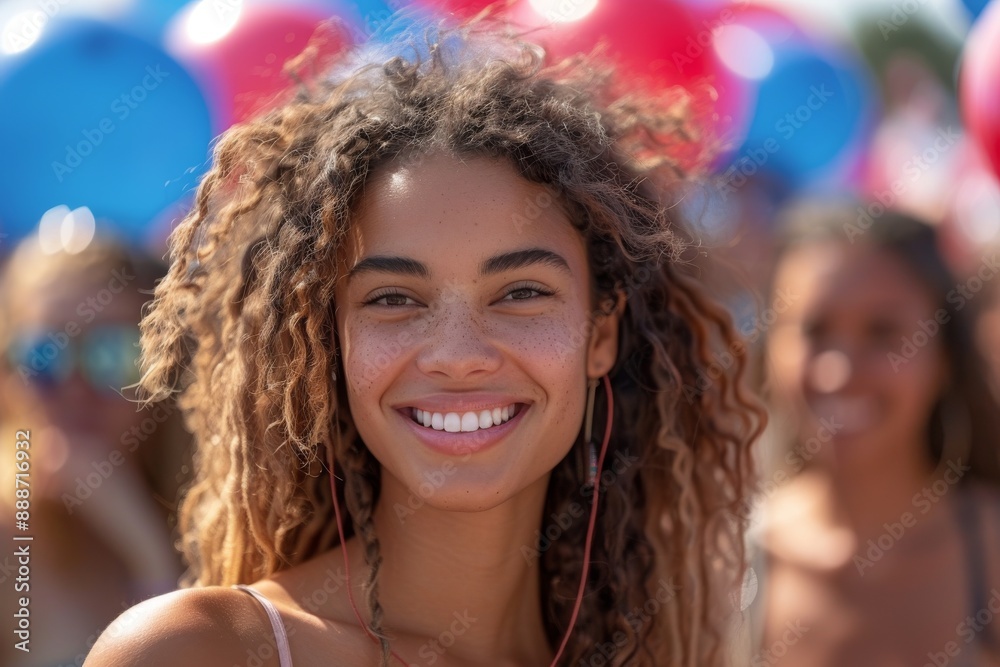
113	105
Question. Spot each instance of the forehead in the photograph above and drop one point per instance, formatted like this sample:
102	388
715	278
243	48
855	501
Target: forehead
838	275
451	212
79	299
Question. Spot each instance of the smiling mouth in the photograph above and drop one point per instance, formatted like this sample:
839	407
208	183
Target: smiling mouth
465	422
847	416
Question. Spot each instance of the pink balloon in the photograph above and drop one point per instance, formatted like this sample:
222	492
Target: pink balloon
979	84
240	68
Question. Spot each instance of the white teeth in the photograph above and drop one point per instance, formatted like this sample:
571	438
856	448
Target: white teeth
470	421
454	422
849	414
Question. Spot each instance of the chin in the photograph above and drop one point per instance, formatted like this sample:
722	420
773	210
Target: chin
861	449
459	488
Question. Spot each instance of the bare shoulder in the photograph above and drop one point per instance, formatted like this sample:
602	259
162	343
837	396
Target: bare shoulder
196	627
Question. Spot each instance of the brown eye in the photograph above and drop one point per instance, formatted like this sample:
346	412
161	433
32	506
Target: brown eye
884	331
814	329
393	300
524	291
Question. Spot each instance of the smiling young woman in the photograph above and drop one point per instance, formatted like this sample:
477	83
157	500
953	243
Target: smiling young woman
881	543
402	304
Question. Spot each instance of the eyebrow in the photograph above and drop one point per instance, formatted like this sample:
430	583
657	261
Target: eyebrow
508	261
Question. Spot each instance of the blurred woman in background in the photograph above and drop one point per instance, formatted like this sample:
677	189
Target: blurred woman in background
103	475
881	539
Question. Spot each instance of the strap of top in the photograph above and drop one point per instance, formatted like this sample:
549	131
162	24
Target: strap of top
284	654
760	562
968	518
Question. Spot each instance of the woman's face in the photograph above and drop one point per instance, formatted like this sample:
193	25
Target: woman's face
464	289
837	356
73	314
72	407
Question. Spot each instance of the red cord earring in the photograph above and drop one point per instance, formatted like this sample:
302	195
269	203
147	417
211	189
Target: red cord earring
587	429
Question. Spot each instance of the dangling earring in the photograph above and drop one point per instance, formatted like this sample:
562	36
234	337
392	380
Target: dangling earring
955	447
588	423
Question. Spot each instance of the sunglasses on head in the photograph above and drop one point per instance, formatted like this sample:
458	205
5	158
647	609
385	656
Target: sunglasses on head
104	355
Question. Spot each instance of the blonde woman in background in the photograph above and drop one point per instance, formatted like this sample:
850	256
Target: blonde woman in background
102	474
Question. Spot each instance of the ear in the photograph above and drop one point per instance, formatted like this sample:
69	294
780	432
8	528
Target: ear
602	351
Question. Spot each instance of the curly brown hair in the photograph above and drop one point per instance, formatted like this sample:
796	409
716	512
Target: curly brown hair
243	328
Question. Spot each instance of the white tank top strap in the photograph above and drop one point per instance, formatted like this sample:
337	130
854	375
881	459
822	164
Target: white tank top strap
284	654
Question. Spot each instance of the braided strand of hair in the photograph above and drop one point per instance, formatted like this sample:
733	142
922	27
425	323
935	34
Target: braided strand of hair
360	503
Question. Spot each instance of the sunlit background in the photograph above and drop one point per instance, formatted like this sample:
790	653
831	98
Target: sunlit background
109	107
109	110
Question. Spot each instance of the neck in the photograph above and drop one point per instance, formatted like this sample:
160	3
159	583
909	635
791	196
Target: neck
463	573
866	497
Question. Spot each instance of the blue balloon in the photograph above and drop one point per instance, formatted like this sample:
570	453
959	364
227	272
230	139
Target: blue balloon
364	17
93	116
811	110
375	15
382	21
975	7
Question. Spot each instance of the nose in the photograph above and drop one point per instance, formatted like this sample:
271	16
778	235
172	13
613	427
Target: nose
829	371
458	343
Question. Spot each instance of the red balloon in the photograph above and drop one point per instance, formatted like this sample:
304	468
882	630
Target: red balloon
979	85
239	57
460	8
655	44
